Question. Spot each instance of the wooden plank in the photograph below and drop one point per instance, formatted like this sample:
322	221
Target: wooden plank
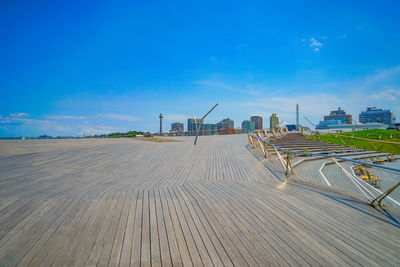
170	231
58	243
26	243
89	235
215	250
154	232
137	231
128	234
161	229
115	257
17	236
193	228
99	237
44	237
238	252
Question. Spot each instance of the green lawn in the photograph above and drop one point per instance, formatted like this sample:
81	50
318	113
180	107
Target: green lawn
384	135
344	139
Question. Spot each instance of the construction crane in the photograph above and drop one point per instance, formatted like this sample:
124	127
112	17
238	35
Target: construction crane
309	121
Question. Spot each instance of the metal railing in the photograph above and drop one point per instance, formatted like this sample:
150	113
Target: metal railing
373	195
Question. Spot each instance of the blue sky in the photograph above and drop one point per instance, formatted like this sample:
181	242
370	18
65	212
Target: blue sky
93	67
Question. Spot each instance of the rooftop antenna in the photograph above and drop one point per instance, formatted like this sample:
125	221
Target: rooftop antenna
200	121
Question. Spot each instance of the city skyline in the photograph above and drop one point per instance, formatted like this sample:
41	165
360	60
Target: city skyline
265	121
96	67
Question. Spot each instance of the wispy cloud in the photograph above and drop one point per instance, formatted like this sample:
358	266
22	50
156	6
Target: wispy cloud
390	95
120	117
55	125
383	77
377	89
21	120
315	44
19	115
341	36
250	89
62	117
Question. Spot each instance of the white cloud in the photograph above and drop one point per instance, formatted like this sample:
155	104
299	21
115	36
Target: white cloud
119	117
341	36
315	44
19	115
65	117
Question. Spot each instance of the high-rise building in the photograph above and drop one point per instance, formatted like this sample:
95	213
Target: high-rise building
177	127
274	121
248	126
339	115
373	114
193	125
226	124
258	122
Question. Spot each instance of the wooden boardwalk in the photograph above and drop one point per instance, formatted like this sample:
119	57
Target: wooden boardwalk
121	202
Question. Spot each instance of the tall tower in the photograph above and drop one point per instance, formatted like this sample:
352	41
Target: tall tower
297	117
161	117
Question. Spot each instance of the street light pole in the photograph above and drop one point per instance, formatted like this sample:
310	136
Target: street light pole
200	121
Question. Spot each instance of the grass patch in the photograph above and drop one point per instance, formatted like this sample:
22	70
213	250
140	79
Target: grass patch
156	139
344	139
383	135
